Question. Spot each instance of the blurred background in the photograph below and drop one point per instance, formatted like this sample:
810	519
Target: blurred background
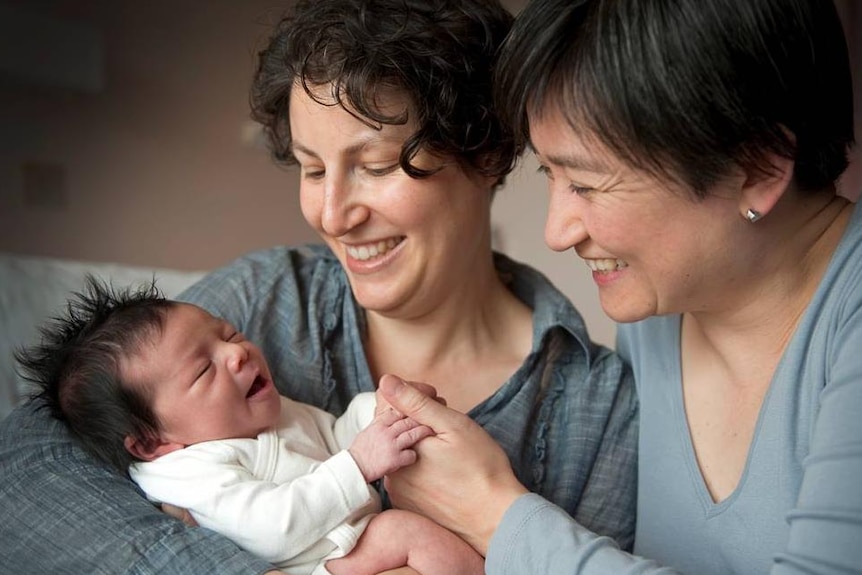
125	138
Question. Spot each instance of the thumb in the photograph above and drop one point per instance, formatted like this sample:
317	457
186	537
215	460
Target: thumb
412	403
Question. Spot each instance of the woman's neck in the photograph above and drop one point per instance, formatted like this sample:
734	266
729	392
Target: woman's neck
729	356
480	336
750	333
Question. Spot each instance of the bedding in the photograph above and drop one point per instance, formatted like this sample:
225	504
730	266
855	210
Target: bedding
33	289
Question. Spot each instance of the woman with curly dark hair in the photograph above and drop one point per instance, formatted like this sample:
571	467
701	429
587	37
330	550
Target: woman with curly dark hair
386	108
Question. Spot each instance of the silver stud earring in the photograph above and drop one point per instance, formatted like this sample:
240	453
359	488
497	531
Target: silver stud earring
752	215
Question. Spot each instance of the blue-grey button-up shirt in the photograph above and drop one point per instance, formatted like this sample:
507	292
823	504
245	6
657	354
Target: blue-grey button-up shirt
566	418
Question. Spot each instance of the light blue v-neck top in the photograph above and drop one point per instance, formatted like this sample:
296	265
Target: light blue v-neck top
798	505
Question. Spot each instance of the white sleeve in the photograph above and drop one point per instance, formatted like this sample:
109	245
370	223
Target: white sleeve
275	521
357	417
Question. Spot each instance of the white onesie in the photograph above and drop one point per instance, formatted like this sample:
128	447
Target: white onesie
293	495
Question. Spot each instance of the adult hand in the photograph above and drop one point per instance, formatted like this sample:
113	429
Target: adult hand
429	390
462	479
180	513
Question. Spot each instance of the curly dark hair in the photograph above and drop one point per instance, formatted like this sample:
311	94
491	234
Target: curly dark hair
439	53
76	367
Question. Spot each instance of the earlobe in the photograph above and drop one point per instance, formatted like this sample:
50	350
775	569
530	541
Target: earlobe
761	191
752	215
150	448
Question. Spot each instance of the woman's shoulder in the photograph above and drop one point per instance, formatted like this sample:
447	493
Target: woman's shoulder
560	335
260	271
833	322
262	286
839	294
550	307
281	261
650	336
849	250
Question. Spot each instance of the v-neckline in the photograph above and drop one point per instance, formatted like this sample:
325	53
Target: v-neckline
684	432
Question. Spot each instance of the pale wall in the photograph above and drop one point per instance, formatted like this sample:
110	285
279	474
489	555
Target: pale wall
157	171
158	168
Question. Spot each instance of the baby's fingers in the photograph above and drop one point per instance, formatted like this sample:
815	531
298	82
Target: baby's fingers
388	417
412	435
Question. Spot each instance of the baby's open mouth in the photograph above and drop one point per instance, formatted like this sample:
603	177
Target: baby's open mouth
258	384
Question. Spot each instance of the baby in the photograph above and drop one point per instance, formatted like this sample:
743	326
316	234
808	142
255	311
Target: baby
183	402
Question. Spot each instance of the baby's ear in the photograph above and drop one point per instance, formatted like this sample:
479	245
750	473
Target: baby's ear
148	449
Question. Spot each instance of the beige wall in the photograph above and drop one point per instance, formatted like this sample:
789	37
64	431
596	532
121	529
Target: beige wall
851	14
155	165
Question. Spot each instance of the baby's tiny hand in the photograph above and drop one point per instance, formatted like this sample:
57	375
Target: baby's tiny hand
385	445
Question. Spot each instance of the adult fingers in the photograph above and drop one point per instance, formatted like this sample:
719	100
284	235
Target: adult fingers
409	400
406	457
180	513
413	435
425	388
408	431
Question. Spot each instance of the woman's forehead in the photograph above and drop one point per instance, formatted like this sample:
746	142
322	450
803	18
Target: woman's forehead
386	100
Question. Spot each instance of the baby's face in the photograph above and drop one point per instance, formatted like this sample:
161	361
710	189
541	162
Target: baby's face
204	380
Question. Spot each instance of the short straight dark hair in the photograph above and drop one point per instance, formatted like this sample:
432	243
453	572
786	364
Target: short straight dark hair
688	88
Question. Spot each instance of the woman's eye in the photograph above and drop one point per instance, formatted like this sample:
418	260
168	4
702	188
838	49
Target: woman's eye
377	171
545	171
580	190
313	173
575	188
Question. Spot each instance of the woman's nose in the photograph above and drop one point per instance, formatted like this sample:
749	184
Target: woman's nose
342	208
564	227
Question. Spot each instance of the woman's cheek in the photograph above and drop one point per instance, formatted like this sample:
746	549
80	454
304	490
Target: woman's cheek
310	206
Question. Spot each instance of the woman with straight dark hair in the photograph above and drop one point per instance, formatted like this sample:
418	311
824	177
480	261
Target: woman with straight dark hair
692	149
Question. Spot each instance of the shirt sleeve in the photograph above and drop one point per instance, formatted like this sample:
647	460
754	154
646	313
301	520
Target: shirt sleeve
65	513
536	536
359	414
277	521
826	523
608	502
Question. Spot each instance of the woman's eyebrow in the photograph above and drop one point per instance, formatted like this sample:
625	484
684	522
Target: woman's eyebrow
573	161
297	147
353	149
578	163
